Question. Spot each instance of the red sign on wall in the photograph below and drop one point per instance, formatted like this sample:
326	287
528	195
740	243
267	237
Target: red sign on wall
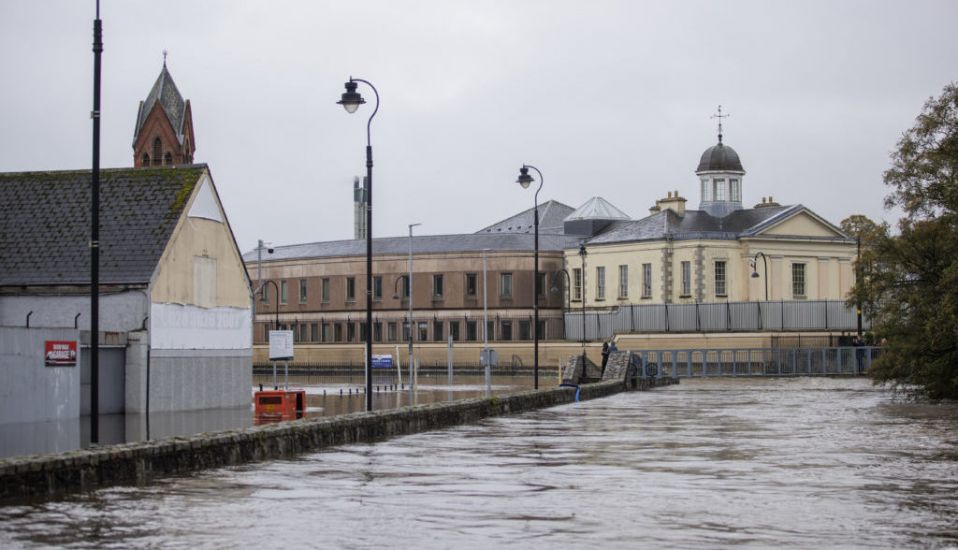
60	353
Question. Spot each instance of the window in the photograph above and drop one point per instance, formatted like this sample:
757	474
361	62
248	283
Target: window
454	330
491	330
339	332
283	291
524	327
505	285
391	332
600	283
302	291
378	331
736	189
405	331
506	333
168	159
720	194
377	287
472	331
472	284
423	331
798	281
623	281
437	286
327	327
350	289
720	286
437	331
686	278
576	284
646	280
362	331
157	151
303	327
324	290
350	331
706	190
404	287
314	332
541	280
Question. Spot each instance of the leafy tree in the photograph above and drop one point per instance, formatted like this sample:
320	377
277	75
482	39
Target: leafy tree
913	288
870	236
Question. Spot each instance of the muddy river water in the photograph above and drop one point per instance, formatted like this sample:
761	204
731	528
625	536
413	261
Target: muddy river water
799	463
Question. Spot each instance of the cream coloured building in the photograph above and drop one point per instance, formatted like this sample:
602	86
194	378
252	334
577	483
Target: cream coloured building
721	252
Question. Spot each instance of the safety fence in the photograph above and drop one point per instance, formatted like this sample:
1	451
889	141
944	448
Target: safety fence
818	315
825	361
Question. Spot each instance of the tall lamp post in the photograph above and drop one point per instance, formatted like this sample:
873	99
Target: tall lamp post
95	237
582	254
351	100
755	270
525	180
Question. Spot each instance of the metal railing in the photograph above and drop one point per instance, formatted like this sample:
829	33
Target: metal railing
824	361
816	315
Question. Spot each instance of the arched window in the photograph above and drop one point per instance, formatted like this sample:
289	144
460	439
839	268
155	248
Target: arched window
168	159
720	189
146	160
157	151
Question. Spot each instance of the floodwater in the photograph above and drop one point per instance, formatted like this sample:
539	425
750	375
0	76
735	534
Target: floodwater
326	396
798	462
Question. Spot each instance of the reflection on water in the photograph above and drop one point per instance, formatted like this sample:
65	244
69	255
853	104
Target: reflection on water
710	463
326	396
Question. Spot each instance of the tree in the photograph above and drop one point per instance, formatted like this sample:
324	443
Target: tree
870	236
913	287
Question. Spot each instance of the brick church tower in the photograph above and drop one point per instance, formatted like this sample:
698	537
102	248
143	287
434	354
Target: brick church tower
164	126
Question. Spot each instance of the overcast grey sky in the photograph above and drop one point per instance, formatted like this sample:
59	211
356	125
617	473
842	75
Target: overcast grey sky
606	98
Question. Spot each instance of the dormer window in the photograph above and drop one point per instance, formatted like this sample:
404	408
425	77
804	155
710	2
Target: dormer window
736	189
706	189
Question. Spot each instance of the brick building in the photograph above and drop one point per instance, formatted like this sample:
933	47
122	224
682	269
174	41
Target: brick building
163	135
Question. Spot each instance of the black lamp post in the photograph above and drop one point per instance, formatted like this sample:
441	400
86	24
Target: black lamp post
582	255
262	289
351	100
755	270
524	180
95	237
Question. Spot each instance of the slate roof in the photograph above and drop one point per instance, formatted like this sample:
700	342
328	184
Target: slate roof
165	91
698	224
45	227
422	244
551	216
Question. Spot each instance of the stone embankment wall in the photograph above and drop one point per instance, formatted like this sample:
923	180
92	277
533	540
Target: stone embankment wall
138	463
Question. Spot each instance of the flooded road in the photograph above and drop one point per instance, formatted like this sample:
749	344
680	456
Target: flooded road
831	463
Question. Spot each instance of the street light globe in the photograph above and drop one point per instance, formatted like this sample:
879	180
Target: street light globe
351	99
524	178
755	274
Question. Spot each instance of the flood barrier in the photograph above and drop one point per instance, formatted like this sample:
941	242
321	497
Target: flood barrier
140	463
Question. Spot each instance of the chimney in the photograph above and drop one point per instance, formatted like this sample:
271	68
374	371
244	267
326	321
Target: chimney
673	201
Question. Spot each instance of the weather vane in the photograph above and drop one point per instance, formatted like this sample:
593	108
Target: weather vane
720	116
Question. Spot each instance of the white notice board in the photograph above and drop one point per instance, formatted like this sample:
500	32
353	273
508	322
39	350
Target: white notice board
280	344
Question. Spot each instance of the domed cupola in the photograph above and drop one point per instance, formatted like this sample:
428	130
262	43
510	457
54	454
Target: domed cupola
720	173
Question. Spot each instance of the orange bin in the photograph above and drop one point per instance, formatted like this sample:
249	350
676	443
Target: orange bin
279	405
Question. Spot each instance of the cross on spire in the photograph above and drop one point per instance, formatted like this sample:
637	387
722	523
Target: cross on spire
164	64
720	116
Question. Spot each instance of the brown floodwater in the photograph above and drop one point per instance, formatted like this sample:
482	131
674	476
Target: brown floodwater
761	463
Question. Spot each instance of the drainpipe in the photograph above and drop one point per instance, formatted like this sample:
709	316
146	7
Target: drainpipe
28	318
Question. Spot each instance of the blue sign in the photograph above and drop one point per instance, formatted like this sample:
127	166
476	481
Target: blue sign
382	361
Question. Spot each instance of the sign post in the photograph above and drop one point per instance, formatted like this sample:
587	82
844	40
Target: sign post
280	349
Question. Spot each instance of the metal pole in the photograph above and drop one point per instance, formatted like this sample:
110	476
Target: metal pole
485	323
582	254
95	237
535	283
412	378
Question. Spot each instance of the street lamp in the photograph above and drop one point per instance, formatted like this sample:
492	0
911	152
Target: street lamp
351	100
261	290
755	270
582	254
525	180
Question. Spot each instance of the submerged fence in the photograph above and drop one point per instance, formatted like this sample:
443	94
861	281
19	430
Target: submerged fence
818	315
688	363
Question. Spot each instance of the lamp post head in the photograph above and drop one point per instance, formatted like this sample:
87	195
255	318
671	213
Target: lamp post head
582	250
524	178
351	99
755	274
